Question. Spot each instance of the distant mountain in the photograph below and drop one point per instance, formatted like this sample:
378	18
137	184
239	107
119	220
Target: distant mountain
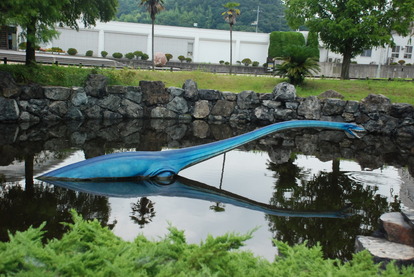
207	14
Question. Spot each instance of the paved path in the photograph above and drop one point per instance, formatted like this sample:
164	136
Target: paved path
19	56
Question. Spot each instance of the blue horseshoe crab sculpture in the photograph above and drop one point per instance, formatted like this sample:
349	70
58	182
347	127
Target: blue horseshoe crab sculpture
166	164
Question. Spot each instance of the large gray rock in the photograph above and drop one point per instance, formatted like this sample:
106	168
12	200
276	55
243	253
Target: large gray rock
116	89
162	112
131	109
402	110
383	250
223	108
31	91
209	94
74	113
79	97
9	110
310	108
57	93
178	105
247	99
8	87
201	109
397	229
175	91
201	129
134	94
95	85
263	113
60	108
154	92
284	92
375	103
333	106
111	102
190	90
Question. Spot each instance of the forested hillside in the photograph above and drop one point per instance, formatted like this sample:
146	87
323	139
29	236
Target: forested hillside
207	14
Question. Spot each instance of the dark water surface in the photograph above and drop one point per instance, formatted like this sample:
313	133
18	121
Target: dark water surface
295	186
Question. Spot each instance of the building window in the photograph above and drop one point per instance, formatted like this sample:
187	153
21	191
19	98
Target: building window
190	47
366	53
395	52
408	52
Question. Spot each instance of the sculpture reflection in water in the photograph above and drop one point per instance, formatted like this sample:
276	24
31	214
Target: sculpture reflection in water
183	187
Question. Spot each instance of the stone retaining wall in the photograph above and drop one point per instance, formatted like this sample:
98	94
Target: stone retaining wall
97	100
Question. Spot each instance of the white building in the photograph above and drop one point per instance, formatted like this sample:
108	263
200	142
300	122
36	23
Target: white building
201	45
204	45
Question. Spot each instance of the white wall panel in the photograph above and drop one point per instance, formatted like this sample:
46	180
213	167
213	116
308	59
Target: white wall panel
124	43
82	41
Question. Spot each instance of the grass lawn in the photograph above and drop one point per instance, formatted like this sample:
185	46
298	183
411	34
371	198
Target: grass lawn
397	91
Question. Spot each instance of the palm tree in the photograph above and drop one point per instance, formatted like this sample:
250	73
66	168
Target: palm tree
230	17
154	7
298	61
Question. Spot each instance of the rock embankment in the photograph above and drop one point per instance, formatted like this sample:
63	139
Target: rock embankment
396	242
97	100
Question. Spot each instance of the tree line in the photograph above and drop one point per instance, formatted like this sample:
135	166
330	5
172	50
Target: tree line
207	14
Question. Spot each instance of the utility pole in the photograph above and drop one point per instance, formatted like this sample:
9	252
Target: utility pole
257	18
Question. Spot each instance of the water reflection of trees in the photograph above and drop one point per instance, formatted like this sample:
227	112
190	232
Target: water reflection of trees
325	191
142	212
21	208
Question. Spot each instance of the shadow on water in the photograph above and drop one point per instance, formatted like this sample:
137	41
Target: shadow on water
28	150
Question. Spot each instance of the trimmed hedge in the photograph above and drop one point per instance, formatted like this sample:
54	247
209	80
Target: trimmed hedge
280	40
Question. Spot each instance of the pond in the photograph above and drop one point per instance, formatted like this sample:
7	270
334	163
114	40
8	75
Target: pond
317	186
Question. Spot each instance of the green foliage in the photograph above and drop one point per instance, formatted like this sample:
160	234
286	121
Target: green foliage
349	27
129	55
144	57
72	51
280	40
207	14
117	55
298	62
189	60
255	63
88	249
89	53
39	18
104	54
169	57
22	45
138	54
181	58
246	61
221	62
312	42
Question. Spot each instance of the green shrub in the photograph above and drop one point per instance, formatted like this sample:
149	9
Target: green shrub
104	54
22	45
56	49
72	51
401	62
181	58
129	55
189	60
169	57
88	249
221	62
313	43
117	55
144	57
138	54
89	53
280	40
255	63
227	63
246	61
298	62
